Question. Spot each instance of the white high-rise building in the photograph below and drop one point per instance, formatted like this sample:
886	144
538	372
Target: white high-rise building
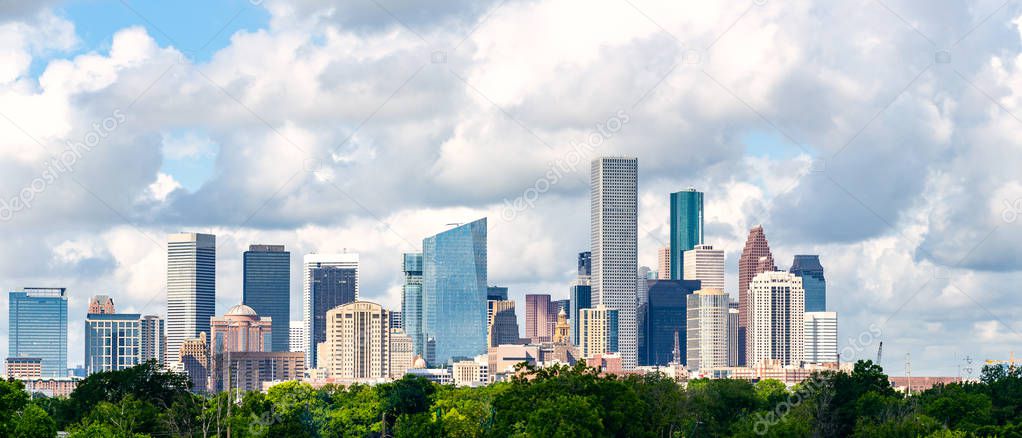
314	261
821	337
707	327
705	264
357	346
154	339
614	246
776	319
191	287
297	339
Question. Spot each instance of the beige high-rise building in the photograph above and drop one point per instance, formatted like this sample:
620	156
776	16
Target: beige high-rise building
193	355
402	353
707	327
705	264
776	319
663	263
598	331
357	346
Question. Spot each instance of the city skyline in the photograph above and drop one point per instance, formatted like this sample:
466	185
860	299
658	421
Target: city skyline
901	176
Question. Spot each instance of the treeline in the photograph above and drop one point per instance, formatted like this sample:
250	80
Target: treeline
551	402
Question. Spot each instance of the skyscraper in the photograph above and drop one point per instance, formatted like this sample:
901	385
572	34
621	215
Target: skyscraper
665	316
193	355
267	288
154	339
733	347
411	301
454	292
705	264
37	321
357	344
707	329
686	227
191	287
537	314
581	298
240	330
502	323
808	267
663	263
496	293
585	267
614	245
331	280
749	265
113	342
821	337
598	333
776	320
298	339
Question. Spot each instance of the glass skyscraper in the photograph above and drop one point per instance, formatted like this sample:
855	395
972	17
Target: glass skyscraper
267	289
332	286
113	342
411	301
666	315
581	298
191	288
686	227
454	292
38	328
808	268
311	309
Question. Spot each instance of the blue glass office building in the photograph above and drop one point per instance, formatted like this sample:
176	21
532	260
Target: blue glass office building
411	301
581	298
38	328
113	342
266	289
331	286
667	311
454	292
808	267
686	227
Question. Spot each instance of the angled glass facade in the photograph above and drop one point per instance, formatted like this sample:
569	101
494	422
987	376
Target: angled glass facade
411	301
113	342
37	321
267	288
666	314
581	298
686	227
454	292
808	268
330	287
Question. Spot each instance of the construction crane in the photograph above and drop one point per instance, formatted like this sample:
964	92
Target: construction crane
1010	362
880	352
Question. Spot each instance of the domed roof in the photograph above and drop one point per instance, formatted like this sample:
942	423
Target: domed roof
419	363
241	310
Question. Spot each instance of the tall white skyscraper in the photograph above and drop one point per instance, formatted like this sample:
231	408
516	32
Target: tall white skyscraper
329	295
705	264
614	245
776	319
821	337
191	287
707	329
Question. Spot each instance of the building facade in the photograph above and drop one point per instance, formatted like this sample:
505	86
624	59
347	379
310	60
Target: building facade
537	315
663	263
599	331
330	280
193	357
37	319
614	245
821	337
585	267
22	368
249	371
411	300
686	228
101	304
454	293
809	269
298	340
733	347
750	265
154	339
776	325
705	264
113	342
191	287
666	316
502	323
401	353
707	342
357	344
266	288
581	298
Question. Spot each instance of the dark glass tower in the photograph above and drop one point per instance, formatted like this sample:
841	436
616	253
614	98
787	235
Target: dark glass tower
585	264
666	315
808	268
581	298
331	287
686	227
454	292
266	289
496	293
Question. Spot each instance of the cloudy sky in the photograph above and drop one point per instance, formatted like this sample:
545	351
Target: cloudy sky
883	135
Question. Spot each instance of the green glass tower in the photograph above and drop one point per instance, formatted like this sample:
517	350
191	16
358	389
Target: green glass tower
686	227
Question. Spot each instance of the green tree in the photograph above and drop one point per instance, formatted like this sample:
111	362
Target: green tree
565	416
34	422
